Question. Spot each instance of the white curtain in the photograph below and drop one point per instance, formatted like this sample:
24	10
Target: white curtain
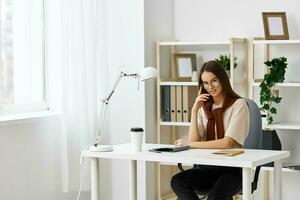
81	79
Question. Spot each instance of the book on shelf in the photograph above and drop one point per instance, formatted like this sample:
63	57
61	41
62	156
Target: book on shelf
179	103
165	103
189	95
173	103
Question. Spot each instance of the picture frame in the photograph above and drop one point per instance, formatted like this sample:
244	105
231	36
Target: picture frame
185	64
275	26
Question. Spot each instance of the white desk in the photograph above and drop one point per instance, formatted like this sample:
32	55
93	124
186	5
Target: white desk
247	161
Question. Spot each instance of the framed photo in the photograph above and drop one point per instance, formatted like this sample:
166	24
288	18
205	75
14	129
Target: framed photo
185	64
275	26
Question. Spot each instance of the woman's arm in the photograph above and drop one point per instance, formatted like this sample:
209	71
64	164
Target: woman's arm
224	143
194	134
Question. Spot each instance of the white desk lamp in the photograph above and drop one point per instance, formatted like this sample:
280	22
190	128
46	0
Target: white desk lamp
145	74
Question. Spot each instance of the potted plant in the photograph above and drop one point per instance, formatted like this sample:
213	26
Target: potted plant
269	96
224	61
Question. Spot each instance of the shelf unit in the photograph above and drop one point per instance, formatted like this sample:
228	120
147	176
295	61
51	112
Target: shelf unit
165	64
175	124
179	83
286	84
285	125
254	83
292	41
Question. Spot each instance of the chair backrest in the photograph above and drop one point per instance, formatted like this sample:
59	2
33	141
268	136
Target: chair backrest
254	138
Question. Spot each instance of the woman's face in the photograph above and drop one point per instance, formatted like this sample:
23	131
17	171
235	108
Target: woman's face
211	83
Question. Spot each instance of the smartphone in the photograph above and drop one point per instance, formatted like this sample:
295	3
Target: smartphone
204	91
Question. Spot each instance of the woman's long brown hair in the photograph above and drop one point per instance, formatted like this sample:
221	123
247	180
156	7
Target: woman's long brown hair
215	68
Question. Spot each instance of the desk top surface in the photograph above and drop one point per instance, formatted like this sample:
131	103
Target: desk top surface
250	158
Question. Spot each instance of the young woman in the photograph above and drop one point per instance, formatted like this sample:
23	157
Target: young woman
219	119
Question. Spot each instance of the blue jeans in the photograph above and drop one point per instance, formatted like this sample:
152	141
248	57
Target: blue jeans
219	183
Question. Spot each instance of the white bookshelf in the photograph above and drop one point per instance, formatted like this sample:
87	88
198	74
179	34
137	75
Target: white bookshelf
296	41
179	83
283	169
282	125
285	125
285	84
267	43
199	43
169	83
175	124
185	43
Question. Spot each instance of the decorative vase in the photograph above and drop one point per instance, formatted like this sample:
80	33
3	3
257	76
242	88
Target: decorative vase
264	121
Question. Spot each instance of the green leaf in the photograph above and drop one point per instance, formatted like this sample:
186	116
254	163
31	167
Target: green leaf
273	110
266	107
270	120
268	63
277	99
276	74
224	61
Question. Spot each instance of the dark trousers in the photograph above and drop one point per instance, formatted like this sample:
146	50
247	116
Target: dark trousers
220	183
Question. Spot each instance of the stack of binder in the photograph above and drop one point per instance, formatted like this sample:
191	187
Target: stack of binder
177	102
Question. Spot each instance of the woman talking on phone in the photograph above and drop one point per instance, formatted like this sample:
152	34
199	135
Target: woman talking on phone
219	119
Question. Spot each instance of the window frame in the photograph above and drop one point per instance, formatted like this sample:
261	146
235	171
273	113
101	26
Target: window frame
17	109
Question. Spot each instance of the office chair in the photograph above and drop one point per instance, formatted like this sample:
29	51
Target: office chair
253	141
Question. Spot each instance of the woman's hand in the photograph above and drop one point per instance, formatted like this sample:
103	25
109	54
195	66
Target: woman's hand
201	98
179	142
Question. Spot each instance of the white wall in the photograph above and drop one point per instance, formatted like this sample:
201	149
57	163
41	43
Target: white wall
125	33
31	161
218	20
158	25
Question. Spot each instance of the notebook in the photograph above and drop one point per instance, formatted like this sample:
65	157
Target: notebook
170	149
229	152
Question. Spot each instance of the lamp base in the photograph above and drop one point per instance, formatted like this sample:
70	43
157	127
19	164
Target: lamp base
101	148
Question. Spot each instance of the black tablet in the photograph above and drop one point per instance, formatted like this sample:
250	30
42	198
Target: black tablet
170	149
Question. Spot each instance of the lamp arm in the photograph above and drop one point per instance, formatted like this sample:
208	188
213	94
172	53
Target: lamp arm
100	126
105	102
122	74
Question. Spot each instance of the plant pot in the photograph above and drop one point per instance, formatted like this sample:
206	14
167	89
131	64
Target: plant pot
270	141
264	122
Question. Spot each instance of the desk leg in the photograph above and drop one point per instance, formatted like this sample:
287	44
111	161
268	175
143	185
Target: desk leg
246	183
132	176
94	179
278	180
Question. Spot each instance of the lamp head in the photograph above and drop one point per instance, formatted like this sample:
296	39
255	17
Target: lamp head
147	73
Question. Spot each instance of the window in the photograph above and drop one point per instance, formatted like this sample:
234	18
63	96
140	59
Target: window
22	47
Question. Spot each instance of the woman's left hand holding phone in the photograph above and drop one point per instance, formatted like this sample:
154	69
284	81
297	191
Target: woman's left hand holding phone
199	101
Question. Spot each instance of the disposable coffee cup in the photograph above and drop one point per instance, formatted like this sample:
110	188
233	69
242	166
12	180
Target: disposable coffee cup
136	139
